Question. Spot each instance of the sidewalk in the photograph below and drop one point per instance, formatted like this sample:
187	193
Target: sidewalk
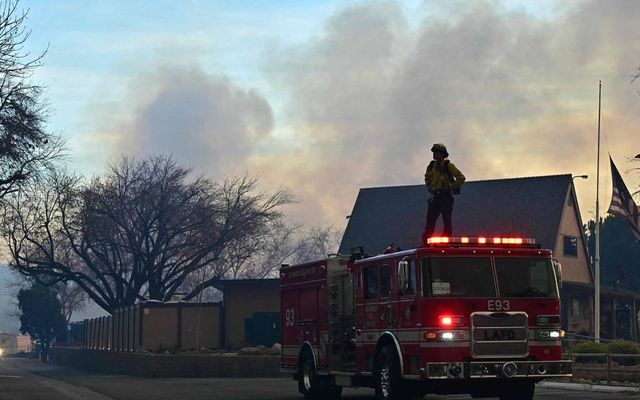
48	369
31	379
588	387
592	386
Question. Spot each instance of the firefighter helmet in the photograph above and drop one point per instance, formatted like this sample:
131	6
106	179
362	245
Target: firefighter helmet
439	147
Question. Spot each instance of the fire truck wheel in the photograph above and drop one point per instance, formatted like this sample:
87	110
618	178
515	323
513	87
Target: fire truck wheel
518	391
311	385
387	376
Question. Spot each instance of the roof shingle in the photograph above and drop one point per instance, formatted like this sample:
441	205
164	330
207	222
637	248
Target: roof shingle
525	207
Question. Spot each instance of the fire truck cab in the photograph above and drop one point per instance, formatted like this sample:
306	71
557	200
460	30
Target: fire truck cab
460	315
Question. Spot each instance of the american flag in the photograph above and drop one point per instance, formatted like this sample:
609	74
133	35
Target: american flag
622	204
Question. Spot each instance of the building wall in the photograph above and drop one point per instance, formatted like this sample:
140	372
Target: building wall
23	343
577	311
155	326
574	269
8	343
12	344
241	300
577	301
159	327
206	333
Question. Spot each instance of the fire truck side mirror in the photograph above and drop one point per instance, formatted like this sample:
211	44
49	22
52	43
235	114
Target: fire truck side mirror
557	269
403	279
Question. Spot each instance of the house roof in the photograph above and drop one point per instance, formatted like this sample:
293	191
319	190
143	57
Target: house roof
526	207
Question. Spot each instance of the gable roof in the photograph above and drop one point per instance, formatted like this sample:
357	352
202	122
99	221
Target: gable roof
525	207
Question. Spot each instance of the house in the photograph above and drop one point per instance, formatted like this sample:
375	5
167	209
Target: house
543	207
13	344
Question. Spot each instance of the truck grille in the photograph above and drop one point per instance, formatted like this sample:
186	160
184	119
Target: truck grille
499	334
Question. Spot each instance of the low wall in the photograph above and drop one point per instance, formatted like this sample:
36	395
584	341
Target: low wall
602	372
168	365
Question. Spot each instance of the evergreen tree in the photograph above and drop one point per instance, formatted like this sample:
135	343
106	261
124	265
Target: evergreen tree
619	254
41	315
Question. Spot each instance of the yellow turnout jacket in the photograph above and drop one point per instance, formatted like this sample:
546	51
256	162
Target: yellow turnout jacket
437	179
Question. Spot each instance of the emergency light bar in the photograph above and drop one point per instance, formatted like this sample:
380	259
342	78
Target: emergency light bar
464	240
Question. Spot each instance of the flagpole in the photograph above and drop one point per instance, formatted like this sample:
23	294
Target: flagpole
597	233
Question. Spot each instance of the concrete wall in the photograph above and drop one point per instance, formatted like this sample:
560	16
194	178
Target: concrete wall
161	365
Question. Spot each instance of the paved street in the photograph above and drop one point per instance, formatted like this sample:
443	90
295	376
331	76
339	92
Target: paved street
29	380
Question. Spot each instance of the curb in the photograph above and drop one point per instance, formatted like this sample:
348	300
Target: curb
587	387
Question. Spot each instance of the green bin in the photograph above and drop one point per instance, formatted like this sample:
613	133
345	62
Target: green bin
263	328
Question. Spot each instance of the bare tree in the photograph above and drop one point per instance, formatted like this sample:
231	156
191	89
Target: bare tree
26	148
138	232
72	298
317	243
259	256
636	159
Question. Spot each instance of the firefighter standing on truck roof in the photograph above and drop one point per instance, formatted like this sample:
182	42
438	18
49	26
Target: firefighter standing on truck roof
443	180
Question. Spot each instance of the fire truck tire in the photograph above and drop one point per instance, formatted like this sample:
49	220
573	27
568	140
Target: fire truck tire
311	385
518	391
387	379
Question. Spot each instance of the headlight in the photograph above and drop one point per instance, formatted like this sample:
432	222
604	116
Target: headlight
452	335
1	351
550	334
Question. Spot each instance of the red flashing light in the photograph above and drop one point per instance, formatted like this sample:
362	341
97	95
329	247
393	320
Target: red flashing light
450	320
480	240
438	240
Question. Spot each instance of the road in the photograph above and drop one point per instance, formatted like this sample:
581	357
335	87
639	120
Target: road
30	380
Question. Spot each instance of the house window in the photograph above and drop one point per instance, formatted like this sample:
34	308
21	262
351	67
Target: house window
575	308
570	247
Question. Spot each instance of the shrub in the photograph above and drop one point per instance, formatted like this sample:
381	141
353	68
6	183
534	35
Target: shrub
624	347
583	348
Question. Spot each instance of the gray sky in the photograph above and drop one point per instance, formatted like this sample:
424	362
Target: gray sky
329	97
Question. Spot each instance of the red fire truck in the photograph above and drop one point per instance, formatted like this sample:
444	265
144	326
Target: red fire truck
460	315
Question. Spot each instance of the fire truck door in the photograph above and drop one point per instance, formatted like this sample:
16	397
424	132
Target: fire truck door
370	315
386	304
342	332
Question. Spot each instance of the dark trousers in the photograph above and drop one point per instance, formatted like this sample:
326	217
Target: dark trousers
440	203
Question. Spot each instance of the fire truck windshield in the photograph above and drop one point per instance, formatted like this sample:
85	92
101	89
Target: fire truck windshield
457	277
473	277
525	277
